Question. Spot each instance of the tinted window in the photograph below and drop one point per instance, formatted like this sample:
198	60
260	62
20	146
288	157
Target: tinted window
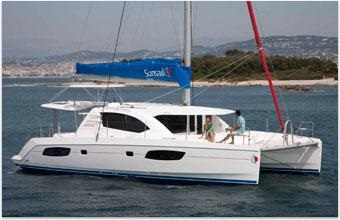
123	122
177	123
56	151
164	155
199	124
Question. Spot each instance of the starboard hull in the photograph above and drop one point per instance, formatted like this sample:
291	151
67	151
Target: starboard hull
121	157
296	159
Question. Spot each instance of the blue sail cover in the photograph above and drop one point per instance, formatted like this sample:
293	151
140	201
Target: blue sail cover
155	69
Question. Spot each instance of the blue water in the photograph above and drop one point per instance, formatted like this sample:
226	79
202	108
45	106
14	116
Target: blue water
26	194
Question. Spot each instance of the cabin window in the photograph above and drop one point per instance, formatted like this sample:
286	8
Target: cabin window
56	151
199	124
164	155
123	122
176	123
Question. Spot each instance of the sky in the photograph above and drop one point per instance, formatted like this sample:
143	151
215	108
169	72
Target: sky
38	29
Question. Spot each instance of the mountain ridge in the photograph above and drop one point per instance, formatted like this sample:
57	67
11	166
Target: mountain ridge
300	46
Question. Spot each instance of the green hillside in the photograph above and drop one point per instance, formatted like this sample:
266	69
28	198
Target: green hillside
287	68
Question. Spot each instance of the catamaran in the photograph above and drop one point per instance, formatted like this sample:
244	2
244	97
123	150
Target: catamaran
162	142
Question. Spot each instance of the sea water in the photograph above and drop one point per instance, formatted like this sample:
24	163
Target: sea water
27	194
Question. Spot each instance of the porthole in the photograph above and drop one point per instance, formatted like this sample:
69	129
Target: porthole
129	153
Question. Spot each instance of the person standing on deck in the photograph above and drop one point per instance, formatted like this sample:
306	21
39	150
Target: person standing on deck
238	129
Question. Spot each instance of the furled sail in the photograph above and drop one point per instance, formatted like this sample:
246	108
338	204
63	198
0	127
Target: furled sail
148	69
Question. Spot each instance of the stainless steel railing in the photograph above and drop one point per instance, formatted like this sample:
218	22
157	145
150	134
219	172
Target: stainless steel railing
285	135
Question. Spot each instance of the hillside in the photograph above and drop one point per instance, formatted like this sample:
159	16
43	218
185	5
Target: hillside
286	68
324	48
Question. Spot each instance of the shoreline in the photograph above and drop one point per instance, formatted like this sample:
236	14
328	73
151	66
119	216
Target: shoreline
324	82
152	83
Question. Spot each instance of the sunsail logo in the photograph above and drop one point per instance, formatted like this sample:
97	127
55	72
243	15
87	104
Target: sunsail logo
158	73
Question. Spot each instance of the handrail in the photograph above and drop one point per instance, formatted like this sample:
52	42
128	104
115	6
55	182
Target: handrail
300	128
285	139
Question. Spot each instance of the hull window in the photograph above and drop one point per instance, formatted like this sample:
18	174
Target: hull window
123	122
164	155
56	151
129	153
83	151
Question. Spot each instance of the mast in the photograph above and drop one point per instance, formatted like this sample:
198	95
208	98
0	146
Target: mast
187	47
264	63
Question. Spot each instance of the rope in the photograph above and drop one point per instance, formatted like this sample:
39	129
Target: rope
145	27
114	54
85	25
113	58
59	93
89	93
219	70
139	18
174	25
285	164
221	78
272	65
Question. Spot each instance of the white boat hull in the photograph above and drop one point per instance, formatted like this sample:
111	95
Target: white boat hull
305	158
200	163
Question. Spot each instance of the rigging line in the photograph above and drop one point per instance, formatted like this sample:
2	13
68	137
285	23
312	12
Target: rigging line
177	89
145	27
275	133
56	95
138	23
89	93
111	45
221	78
174	24
280	90
107	42
85	25
236	61
114	54
304	172
113	58
195	23
271	63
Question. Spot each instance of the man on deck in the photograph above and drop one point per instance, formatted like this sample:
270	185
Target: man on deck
238	129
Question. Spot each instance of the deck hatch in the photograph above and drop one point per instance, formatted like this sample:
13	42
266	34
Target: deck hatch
164	155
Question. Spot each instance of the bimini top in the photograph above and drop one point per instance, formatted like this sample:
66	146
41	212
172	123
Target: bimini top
148	69
155	109
71	105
